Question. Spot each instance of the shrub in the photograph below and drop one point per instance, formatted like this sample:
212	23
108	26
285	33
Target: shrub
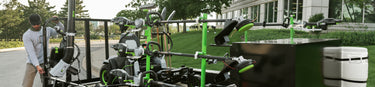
353	38
316	17
10	44
95	37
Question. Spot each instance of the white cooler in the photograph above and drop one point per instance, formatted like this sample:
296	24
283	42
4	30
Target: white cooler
345	66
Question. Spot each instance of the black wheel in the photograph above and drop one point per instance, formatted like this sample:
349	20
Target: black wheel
105	77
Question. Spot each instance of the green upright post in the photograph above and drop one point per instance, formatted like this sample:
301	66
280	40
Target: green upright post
204	49
291	29
245	36
148	59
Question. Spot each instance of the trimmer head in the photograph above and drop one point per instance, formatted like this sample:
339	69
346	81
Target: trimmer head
244	25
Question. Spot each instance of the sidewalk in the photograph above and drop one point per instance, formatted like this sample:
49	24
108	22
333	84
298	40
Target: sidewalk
93	43
12	49
97	53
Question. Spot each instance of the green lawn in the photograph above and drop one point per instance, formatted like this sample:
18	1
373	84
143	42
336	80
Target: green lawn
371	70
191	42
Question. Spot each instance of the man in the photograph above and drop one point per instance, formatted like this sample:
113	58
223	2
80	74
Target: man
33	42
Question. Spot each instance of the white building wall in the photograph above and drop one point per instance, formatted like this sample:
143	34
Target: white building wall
249	12
262	13
312	7
280	10
239	4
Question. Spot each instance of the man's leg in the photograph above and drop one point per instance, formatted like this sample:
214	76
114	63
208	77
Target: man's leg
30	73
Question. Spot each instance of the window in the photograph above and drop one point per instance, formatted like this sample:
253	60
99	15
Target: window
293	7
370	13
255	11
224	16
335	9
236	14
229	15
244	12
353	11
271	12
233	14
219	16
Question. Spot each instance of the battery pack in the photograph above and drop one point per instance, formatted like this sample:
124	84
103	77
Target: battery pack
60	69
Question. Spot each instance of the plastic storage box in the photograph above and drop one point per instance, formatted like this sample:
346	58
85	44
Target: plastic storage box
345	66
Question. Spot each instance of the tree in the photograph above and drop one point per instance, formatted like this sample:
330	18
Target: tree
186	9
370	11
79	10
11	17
40	7
131	14
15	16
355	15
137	3
79	13
114	30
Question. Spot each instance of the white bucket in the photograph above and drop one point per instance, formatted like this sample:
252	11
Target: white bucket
345	66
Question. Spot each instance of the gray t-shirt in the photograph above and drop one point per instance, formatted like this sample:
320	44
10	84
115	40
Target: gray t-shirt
33	42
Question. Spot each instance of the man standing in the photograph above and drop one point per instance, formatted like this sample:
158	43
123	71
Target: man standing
33	42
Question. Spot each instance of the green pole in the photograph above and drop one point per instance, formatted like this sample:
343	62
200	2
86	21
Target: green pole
245	36
204	49
148	39
246	68
148	65
291	29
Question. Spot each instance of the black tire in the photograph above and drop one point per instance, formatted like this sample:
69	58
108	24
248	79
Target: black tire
105	77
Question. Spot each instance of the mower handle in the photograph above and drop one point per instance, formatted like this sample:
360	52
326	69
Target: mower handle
148	19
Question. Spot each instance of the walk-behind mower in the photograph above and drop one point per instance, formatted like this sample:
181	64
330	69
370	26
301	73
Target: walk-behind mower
130	56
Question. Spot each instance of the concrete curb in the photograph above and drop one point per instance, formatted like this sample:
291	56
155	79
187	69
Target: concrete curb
12	49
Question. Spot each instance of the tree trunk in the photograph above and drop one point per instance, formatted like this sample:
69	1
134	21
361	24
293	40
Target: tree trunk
184	27
347	8
178	28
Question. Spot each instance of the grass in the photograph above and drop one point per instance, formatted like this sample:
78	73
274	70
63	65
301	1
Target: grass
371	70
191	42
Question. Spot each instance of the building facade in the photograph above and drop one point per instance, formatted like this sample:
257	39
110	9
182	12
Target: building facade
358	15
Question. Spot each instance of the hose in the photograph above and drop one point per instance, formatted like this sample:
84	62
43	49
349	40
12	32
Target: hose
148	19
143	74
148	51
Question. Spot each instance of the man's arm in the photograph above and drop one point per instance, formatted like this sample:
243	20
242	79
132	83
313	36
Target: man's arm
53	32
30	50
60	25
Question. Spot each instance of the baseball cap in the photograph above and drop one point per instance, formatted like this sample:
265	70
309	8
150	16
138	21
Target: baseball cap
35	19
